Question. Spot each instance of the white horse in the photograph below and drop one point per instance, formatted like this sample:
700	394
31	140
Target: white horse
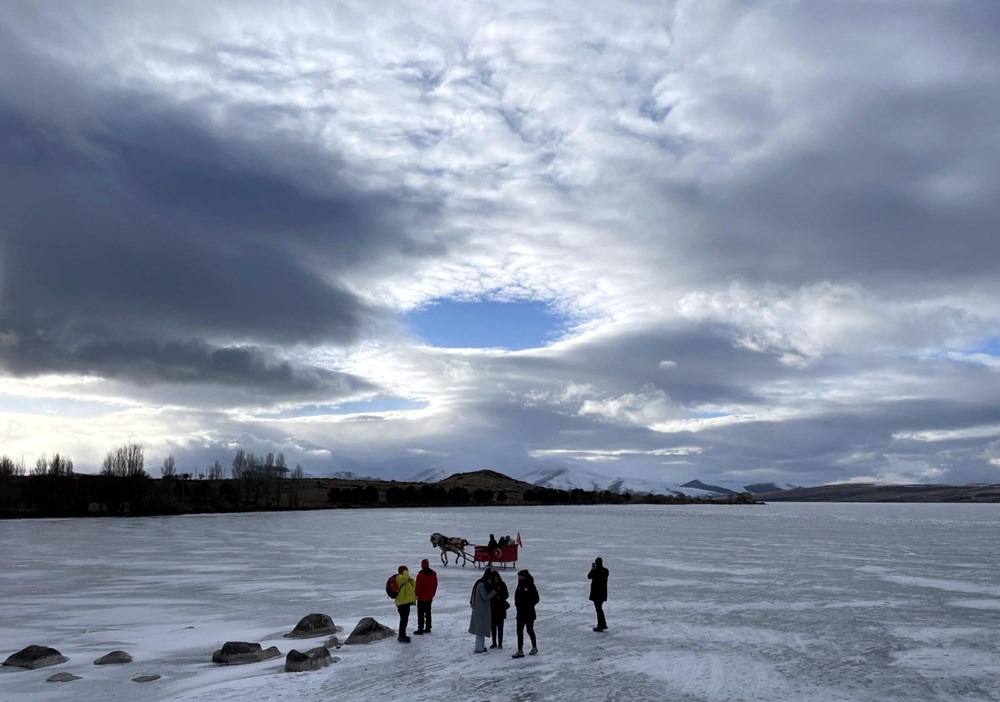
450	544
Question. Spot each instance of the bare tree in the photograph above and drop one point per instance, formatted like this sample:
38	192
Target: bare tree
240	464
294	484
9	467
216	471
126	461
41	466
169	468
60	465
280	473
241	468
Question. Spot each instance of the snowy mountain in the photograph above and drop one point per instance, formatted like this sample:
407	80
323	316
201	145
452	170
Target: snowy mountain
569	479
762	488
430	475
348	475
697	484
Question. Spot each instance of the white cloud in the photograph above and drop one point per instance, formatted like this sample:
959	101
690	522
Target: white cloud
754	192
978	432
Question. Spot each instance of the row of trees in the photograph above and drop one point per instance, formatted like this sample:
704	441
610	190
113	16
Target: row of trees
57	465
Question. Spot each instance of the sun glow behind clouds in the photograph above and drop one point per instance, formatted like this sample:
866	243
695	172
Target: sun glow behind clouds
486	324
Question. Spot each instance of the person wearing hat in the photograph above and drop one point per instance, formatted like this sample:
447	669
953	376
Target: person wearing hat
404	600
427	585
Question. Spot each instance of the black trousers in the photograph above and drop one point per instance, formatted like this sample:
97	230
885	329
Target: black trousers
521	626
496	631
404	618
601	623
424	615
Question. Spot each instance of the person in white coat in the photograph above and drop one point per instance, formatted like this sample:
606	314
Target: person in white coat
479	601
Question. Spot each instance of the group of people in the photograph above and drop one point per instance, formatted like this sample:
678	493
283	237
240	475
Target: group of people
493	544
419	591
489	601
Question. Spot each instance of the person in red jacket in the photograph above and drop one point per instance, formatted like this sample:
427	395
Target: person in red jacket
427	585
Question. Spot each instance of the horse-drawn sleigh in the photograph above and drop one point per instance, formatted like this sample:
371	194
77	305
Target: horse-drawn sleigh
501	557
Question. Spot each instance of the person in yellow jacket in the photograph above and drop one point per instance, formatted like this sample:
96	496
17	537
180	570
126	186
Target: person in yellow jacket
404	600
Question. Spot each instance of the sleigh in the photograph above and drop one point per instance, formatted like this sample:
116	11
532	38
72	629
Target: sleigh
500	557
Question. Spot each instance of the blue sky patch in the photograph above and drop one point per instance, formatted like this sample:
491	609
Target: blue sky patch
989	346
379	403
486	324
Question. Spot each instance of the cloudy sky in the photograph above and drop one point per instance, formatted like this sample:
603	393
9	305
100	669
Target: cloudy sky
719	239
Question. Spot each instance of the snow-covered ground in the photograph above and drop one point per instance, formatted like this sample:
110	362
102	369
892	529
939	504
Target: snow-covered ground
780	602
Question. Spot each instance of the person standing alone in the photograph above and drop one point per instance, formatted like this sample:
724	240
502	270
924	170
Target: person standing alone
427	585
525	599
404	600
598	576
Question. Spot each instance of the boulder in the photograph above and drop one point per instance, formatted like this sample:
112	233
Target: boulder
334	642
240	652
145	678
63	677
114	658
367	631
314	659
35	657
313	625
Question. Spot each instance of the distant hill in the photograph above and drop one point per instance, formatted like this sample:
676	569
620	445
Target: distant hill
485	479
697	484
867	492
765	488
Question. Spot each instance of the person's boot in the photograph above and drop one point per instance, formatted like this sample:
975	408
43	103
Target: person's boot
404	639
533	651
518	654
418	632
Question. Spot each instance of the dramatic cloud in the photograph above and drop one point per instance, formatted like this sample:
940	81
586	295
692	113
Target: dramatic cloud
764	232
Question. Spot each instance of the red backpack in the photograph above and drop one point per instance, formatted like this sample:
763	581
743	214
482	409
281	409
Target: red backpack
391	587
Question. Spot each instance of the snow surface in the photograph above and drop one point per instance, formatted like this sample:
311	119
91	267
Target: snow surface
817	602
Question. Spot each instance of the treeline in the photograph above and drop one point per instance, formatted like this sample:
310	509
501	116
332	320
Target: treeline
124	487
252	482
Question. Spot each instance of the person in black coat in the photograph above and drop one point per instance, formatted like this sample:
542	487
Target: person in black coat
498	609
598	576
525	599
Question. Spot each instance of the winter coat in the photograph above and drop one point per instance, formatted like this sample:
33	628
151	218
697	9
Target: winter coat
525	599
598	584
407	592
500	602
427	585
480	622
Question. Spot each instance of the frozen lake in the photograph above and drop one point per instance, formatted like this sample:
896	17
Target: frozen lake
781	602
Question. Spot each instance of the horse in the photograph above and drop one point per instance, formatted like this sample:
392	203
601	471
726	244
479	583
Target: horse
450	544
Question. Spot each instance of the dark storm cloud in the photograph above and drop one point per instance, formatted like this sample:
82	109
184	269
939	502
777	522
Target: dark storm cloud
901	189
868	151
139	224
253	371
